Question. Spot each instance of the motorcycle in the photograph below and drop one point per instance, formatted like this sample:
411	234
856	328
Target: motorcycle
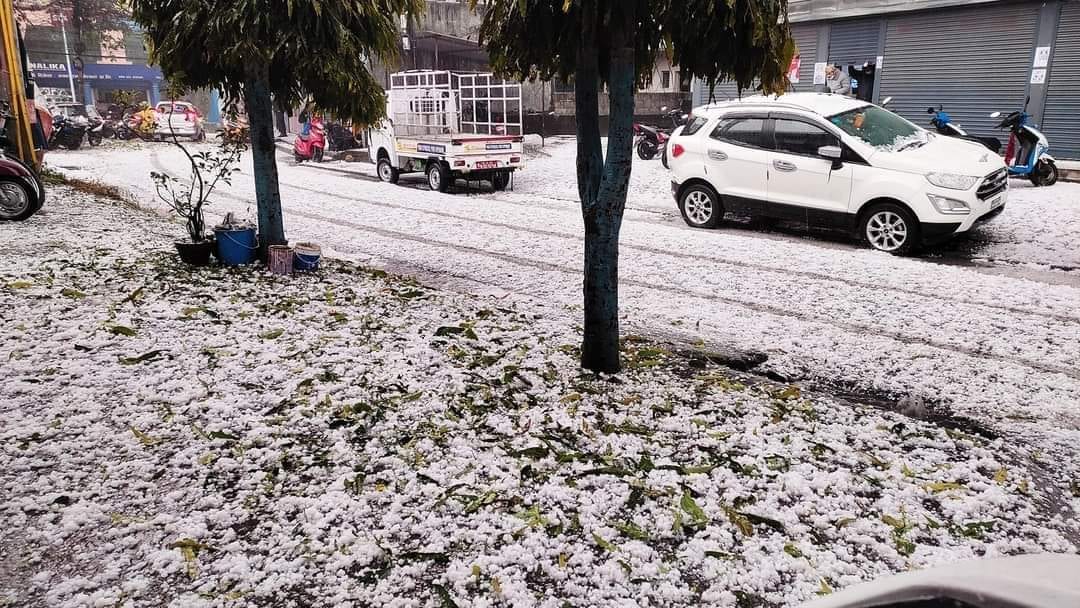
311	146
1027	153
235	131
95	132
944	125
68	132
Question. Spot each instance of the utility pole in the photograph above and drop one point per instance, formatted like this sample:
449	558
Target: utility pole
67	57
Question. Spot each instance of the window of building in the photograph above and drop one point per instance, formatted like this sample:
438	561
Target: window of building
685	78
665	79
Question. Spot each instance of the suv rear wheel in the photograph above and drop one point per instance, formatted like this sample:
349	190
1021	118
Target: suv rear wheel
700	206
891	228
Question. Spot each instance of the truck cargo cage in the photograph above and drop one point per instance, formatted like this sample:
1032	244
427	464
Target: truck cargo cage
449	103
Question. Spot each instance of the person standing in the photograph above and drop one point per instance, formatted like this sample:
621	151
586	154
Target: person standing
837	81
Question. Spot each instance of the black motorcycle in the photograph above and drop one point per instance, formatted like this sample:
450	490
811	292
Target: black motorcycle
97	130
68	132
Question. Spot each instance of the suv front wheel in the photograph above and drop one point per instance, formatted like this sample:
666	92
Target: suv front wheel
700	206
890	228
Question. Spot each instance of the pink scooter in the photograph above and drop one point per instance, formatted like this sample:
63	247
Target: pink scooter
311	146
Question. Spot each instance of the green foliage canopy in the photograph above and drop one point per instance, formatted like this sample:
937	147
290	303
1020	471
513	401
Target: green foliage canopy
308	47
744	41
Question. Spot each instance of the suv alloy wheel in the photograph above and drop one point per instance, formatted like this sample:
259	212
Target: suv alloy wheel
700	206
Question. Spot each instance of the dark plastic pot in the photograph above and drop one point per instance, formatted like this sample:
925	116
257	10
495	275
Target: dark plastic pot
196	254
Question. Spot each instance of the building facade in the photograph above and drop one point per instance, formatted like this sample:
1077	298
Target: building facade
111	61
970	57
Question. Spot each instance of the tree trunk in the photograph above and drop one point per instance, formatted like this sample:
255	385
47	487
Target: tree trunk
603	184
260	112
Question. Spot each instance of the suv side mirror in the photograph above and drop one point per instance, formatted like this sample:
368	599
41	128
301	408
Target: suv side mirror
833	153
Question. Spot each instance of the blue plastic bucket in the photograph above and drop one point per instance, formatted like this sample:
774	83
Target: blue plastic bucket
236	247
306	257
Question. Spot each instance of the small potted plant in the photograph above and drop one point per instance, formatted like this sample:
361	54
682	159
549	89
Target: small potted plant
187	197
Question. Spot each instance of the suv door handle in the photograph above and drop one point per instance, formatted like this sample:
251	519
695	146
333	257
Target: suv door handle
783	165
717	155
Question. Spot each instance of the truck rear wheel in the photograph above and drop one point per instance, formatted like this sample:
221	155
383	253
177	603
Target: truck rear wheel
387	171
500	180
438	176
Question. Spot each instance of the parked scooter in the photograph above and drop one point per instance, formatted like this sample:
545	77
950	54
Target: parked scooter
1027	153
311	146
68	132
22	193
651	140
96	131
944	125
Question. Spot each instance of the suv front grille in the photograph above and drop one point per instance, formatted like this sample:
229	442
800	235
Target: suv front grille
994	184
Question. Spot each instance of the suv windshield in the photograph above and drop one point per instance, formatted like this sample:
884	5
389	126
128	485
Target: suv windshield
879	128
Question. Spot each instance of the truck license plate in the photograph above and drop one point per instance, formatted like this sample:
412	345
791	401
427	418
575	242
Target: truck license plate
487	164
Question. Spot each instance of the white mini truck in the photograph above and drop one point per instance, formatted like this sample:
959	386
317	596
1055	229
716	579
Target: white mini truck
449	125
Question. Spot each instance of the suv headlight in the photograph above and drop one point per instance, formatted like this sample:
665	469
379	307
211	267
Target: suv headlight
949	206
951	181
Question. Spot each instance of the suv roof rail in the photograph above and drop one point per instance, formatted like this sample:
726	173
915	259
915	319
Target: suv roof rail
773	104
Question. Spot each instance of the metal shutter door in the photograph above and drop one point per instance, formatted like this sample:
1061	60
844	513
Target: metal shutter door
1061	119
805	36
854	42
974	61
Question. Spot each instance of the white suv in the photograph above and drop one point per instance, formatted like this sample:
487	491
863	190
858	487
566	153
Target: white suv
833	161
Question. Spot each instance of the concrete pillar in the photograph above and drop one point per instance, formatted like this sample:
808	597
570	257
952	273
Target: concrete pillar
1045	35
87	93
154	93
213	114
880	53
824	32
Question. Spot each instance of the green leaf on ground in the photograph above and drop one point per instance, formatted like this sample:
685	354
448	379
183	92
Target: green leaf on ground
605	545
824	589
631	530
71	292
145	439
143	358
271	334
740	521
792	550
120	330
444	596
20	284
189	549
690	506
943	486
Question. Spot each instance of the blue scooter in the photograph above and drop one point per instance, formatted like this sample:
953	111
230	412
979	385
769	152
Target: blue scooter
1028	151
944	124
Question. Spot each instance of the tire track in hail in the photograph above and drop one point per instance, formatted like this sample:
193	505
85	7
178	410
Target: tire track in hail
698	257
531	201
852	328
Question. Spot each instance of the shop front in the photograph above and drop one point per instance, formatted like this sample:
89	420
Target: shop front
100	80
